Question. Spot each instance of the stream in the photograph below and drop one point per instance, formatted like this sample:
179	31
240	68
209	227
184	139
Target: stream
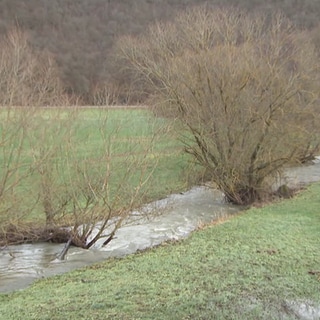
21	265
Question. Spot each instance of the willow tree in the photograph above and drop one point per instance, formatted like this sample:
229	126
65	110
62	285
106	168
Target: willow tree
244	87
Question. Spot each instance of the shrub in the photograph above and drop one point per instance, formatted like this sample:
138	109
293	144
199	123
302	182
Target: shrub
244	87
27	77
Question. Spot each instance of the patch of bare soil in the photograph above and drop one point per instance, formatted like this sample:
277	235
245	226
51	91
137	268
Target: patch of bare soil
304	310
287	310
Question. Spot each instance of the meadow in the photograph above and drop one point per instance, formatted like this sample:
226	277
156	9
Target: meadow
59	163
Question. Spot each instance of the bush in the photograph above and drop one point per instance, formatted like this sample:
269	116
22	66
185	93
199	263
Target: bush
245	87
27	77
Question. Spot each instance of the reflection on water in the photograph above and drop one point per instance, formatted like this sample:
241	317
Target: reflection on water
20	265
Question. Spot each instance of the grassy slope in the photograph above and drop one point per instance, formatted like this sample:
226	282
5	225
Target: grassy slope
244	268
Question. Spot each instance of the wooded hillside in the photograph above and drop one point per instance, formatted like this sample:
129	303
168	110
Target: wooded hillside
81	34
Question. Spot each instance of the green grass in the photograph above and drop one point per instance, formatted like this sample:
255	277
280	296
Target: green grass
64	140
248	267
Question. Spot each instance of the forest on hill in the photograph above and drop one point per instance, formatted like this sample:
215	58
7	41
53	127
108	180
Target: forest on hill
81	34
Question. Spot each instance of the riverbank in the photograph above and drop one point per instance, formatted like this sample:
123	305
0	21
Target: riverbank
171	218
262	264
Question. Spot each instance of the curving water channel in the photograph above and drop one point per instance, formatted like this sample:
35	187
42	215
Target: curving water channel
20	265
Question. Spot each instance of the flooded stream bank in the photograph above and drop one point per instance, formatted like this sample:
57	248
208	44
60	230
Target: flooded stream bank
20	265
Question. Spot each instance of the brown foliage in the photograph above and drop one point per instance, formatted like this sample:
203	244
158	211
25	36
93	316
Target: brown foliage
27	78
81	34
244	86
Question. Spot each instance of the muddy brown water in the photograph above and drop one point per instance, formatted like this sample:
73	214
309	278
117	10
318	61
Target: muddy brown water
21	265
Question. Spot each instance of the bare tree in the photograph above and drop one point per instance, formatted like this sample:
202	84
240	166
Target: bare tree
244	87
75	192
27	77
88	179
83	180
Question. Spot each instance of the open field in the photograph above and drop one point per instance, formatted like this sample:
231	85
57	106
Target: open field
262	264
48	155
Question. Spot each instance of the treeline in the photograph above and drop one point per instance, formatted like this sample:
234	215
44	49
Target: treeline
81	34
